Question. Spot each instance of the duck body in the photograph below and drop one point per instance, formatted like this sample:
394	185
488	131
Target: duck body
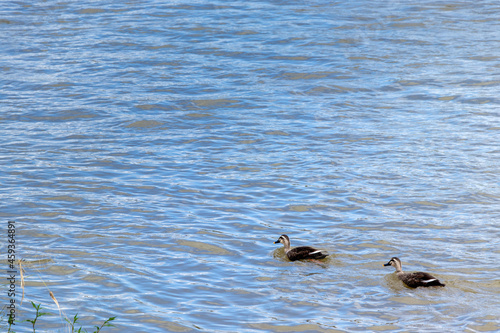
419	279
301	252
415	279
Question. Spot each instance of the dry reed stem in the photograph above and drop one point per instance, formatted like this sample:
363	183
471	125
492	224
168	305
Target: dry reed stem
55	301
61	313
53	298
19	262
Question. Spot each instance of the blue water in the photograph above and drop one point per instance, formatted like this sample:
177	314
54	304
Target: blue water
152	152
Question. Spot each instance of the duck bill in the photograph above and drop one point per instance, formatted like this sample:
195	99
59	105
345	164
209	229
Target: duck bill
388	264
277	241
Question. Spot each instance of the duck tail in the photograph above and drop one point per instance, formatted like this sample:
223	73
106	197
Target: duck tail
319	254
434	282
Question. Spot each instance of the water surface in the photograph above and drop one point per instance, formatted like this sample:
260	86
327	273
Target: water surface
153	152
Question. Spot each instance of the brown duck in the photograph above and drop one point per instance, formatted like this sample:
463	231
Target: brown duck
301	252
416	279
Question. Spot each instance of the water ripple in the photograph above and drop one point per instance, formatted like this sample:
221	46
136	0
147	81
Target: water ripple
153	152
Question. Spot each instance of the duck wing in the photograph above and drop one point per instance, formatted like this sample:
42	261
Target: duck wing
306	252
421	279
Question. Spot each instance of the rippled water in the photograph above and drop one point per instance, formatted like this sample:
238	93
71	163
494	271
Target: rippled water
152	152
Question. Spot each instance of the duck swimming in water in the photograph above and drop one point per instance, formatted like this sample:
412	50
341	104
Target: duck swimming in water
416	279
301	252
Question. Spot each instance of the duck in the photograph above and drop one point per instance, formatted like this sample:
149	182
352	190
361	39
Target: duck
301	252
415	279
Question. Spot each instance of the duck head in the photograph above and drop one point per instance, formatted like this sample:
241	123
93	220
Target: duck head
396	263
283	240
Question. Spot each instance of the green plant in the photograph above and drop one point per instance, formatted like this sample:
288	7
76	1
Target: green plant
38	314
10	320
75	319
72	323
106	323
